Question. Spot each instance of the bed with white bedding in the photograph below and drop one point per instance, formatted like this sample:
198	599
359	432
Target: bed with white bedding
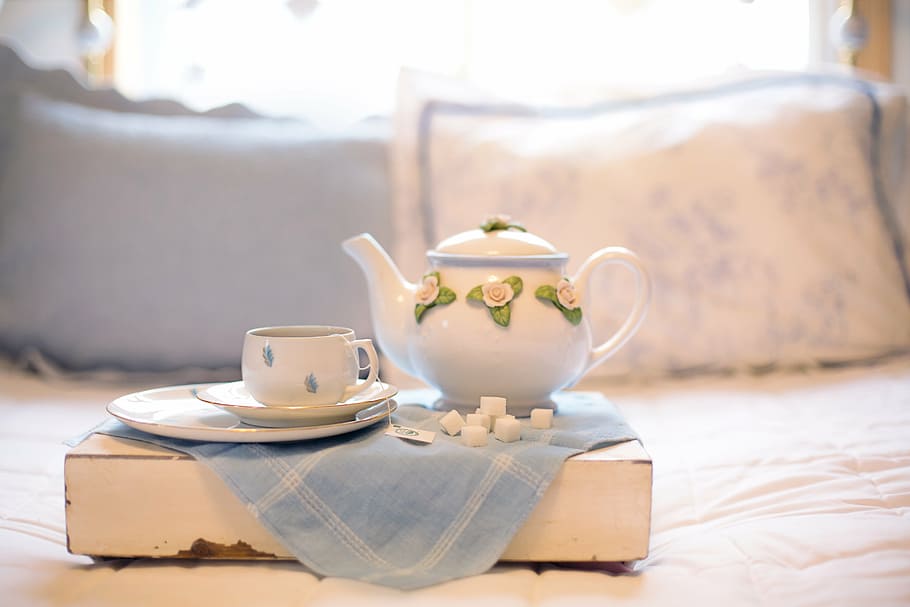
770	383
781	489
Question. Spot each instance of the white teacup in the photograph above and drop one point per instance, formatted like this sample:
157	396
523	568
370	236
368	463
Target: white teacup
305	365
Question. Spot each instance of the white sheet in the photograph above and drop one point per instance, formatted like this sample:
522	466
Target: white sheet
787	489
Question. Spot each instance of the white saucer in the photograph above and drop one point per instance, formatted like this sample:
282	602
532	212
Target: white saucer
235	398
177	413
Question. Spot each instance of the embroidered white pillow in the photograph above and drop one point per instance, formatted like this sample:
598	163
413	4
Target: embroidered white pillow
757	206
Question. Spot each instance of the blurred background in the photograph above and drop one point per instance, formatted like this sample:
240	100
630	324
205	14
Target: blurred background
334	61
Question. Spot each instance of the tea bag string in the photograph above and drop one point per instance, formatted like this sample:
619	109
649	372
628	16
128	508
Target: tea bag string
388	403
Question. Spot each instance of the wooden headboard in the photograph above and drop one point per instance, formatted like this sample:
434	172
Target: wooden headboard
861	34
99	62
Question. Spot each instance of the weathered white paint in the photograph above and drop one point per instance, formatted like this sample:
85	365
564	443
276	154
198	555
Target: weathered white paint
130	499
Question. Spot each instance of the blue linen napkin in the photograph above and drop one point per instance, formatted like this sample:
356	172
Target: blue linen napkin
380	509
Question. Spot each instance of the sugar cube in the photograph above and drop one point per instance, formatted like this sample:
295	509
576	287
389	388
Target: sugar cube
494	406
541	418
451	422
494	421
478	419
474	436
507	430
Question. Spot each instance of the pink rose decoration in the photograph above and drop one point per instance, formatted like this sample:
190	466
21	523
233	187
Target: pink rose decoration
497	297
496	294
565	293
429	290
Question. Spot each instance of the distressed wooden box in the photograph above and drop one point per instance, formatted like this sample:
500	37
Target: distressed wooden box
126	498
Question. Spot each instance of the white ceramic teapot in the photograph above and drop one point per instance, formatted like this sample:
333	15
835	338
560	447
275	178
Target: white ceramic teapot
494	315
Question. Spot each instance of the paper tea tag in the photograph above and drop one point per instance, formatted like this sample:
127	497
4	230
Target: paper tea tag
421	436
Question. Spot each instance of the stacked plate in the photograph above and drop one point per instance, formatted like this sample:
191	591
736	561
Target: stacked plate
227	413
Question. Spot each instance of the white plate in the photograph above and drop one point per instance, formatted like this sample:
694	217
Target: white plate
235	398
177	413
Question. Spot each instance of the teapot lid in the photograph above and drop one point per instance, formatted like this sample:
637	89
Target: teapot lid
497	236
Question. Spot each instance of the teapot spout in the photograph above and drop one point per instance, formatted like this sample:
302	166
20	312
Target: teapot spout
391	298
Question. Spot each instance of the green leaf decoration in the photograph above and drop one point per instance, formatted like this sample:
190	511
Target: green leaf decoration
515	283
446	296
476	293
501	314
419	309
573	316
547	292
497	224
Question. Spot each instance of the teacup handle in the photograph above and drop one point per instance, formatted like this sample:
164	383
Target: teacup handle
624	257
367	346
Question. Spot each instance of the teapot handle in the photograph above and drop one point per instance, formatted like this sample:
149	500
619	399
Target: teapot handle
625	257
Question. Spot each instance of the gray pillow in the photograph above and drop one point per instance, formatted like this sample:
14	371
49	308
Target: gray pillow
150	243
17	78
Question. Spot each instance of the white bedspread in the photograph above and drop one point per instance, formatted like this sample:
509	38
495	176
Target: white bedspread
787	489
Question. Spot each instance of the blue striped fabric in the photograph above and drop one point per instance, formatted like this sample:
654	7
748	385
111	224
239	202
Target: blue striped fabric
379	509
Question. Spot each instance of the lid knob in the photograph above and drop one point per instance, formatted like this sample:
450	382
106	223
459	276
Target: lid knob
497	235
500	222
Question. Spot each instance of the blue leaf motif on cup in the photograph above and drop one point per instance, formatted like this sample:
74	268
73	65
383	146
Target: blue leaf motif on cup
268	356
312	386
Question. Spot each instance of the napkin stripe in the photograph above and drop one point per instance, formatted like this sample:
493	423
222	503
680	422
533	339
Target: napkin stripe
524	473
443	545
340	528
319	509
296	474
481	491
546	436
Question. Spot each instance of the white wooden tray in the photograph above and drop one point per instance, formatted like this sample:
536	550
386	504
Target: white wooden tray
126	498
